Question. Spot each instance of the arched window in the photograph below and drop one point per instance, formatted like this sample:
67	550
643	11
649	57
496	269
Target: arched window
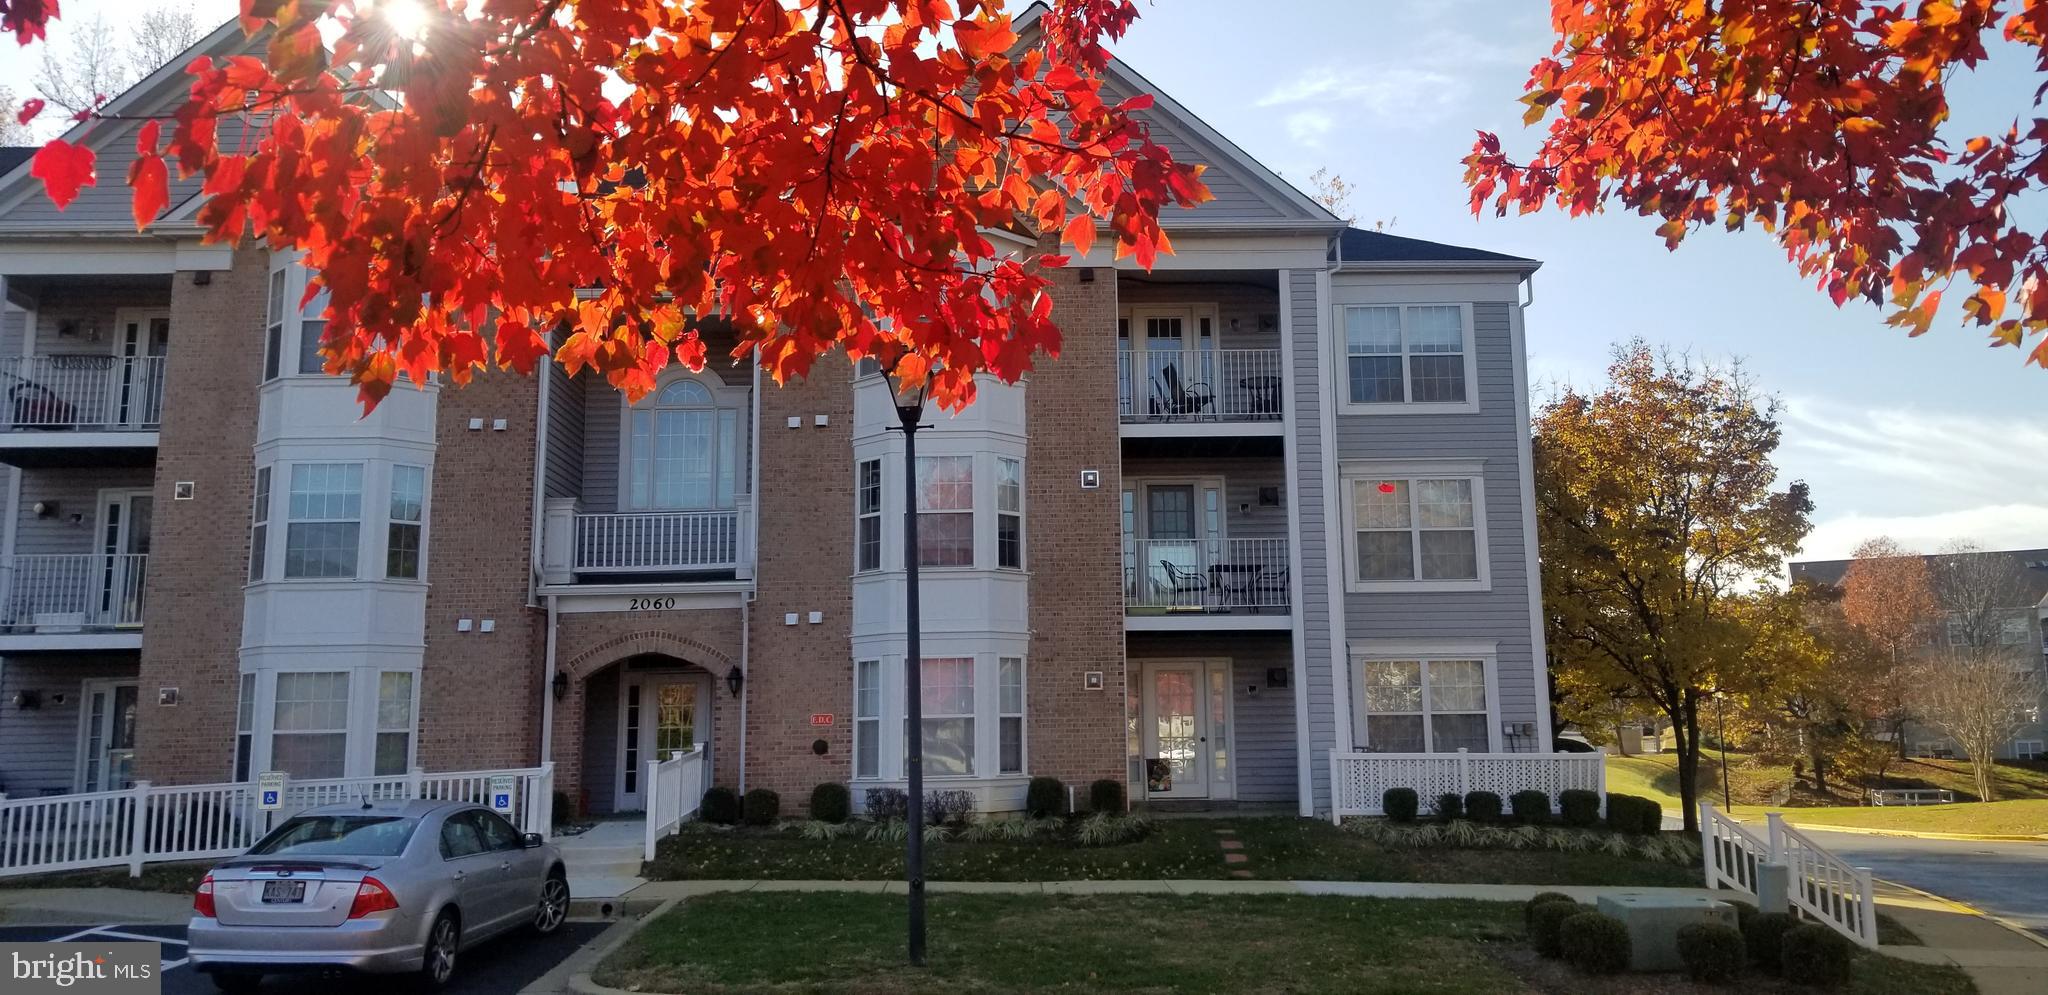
681	449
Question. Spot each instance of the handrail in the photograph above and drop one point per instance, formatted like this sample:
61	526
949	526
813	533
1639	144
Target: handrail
1206	574
88	391
1825	886
659	540
1199	385
72	591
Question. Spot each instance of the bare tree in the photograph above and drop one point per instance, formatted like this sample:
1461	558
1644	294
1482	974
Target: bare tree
1334	192
12	132
1985	677
1982	598
92	62
1888	596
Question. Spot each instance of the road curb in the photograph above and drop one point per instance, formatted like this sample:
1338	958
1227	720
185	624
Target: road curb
580	982
1968	909
1918	835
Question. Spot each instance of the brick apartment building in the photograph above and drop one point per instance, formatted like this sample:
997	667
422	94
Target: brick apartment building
1271	502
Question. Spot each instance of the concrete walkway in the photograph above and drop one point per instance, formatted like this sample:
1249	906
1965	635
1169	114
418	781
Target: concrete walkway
604	860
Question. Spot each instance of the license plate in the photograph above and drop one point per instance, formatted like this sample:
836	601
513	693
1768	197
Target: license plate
284	891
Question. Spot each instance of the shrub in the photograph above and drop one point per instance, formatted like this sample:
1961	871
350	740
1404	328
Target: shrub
1106	795
1532	806
1110	829
1634	814
1542	898
1764	936
1712	953
886	804
1545	921
1400	804
831	802
1450	805
1482	806
1045	797
562	811
721	805
1813	954
949	808
760	806
1579	807
1595	943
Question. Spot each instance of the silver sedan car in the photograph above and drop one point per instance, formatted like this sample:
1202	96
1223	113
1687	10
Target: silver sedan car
378	887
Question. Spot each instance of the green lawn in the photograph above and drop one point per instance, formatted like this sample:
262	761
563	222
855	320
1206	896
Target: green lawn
743	943
1752	782
2028	817
1278	848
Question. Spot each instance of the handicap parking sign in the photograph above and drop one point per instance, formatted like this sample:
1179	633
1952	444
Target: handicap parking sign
502	787
270	790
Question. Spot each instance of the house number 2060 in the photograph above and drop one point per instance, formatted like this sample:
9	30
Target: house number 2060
649	604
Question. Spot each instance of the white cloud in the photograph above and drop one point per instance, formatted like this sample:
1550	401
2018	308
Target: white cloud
1412	94
1307	127
1994	526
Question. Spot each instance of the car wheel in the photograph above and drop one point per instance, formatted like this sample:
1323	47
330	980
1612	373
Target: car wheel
437	962
232	983
554	904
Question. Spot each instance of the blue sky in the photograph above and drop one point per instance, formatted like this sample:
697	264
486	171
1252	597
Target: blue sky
1928	439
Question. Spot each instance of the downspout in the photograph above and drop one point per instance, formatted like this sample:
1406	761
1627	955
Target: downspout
533	563
754	588
547	690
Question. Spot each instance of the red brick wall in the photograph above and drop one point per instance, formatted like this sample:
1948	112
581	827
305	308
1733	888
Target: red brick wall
1072	541
199	549
480	691
805	562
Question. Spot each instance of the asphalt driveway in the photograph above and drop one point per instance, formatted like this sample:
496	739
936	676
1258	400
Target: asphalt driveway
2009	880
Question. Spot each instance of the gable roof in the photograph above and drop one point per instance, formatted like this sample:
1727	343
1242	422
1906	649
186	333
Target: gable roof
2033	564
1361	246
14	155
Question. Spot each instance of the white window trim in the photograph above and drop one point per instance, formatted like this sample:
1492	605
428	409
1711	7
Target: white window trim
352	739
1023	715
1342	371
412	728
980	511
1361	651
1350	473
293	320
723	398
370	475
996	512
426	501
880	514
987	715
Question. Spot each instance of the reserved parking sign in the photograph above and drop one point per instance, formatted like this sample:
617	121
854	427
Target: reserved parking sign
270	790
502	788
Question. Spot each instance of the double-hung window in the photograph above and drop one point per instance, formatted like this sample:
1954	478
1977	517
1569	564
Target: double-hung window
1423	705
273	327
945	511
394	722
245	727
259	527
867	718
947	686
1009	512
1417	530
868	516
1010	712
309	725
408	515
324	522
1408	357
312	324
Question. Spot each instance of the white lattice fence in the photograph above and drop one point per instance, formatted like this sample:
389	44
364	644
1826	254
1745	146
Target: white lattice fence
1358	781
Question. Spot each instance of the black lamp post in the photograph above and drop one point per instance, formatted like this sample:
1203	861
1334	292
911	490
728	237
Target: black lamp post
910	412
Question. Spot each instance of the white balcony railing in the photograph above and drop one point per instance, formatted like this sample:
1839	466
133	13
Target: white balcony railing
1205	575
645	542
1200	385
72	592
104	393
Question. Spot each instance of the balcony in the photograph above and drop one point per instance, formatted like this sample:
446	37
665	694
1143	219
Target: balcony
1206	584
80	409
1200	392
646	546
72	601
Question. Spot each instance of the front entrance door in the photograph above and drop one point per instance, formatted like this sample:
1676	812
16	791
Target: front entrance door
107	737
1186	727
659	714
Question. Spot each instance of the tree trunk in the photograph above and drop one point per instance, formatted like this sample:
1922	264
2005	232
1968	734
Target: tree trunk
1685	735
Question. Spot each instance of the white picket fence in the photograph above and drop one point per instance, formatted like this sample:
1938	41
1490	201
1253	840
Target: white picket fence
148	823
675	787
1359	780
1818	883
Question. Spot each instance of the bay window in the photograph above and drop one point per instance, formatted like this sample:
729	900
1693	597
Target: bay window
945	511
1417	703
245	727
1415	357
408	513
1415	529
867	718
972	712
309	724
1009	513
868	516
1010	708
394	722
947	694
324	520
259	527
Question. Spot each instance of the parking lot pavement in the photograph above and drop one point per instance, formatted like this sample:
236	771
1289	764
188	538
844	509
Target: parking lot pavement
503	965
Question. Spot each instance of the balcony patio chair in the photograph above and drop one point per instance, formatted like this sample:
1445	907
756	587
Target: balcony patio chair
1185	399
1269	589
33	405
1181	582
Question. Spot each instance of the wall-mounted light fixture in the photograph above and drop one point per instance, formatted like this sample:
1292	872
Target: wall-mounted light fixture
46	509
561	684
734	680
28	700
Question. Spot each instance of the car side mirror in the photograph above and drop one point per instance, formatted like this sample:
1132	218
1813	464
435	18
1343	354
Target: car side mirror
531	840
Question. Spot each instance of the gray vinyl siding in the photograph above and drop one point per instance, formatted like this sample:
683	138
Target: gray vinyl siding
1493	434
1249	315
74	492
1317	535
566	400
13	326
1264	738
39	746
601	739
1237	196
1243	477
87	312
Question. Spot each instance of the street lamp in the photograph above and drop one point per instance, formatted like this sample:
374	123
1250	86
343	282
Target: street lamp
910	415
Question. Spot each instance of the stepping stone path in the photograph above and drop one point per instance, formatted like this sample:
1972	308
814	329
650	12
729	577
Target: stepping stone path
1234	856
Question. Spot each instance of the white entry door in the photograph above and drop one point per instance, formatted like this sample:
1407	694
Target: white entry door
1186	727
138	387
658	714
106	736
125	520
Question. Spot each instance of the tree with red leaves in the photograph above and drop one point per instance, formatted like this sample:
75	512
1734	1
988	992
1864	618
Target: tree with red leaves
1823	121
825	173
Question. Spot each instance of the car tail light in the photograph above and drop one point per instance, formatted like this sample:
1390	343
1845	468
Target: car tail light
202	900
372	896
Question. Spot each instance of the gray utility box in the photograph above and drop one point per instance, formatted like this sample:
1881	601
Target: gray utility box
1653	923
